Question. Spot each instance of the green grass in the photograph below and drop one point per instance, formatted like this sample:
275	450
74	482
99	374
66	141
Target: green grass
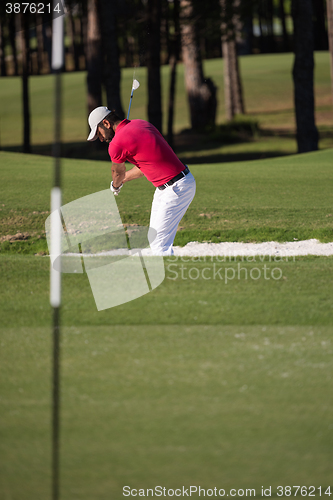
279	199
231	407
268	92
299	294
200	382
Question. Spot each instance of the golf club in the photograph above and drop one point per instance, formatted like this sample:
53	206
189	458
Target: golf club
135	86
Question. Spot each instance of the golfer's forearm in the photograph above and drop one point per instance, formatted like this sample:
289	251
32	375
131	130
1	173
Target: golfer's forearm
118	173
134	173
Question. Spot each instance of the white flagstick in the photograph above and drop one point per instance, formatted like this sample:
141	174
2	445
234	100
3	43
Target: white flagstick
56	227
57	65
55	250
135	86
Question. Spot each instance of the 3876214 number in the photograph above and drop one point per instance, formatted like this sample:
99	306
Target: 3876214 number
33	8
304	491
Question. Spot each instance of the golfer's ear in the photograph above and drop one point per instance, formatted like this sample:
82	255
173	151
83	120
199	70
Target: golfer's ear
106	124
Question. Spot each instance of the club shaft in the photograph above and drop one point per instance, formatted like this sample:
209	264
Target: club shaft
130	103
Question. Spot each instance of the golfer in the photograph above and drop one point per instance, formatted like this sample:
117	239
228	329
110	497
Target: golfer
141	144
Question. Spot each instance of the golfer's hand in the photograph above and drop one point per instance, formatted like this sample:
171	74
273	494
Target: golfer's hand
115	190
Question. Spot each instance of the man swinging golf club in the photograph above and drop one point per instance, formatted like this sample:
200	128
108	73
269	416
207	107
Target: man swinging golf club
140	143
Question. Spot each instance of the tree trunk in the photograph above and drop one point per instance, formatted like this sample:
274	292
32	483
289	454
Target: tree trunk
230	29
40	43
232	84
12	38
84	34
248	30
307	134
201	92
269	24
3	69
174	56
111	70
47	36
153	63
25	81
73	46
319	28
94	57
166	43
284	26
330	35
262	38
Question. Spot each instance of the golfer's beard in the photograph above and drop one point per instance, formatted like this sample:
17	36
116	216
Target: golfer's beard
110	136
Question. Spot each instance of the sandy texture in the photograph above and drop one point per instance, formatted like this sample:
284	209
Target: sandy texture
293	248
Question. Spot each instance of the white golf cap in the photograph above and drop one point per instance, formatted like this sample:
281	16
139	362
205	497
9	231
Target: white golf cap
94	119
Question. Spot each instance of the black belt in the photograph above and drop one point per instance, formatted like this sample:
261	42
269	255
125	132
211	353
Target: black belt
175	179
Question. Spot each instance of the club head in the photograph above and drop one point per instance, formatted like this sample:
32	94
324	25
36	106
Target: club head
135	85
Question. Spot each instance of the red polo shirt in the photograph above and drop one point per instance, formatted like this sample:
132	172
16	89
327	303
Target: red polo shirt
141	144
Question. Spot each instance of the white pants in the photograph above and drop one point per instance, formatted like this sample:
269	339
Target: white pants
168	207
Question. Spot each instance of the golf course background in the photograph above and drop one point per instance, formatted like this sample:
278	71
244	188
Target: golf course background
202	381
268	96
